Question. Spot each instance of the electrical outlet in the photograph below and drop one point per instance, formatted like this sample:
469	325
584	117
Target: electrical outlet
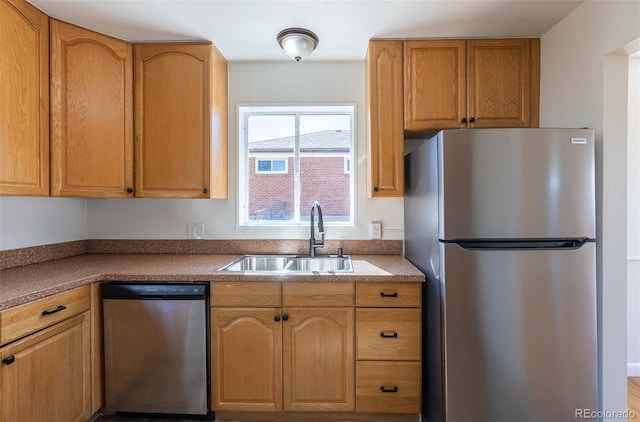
195	230
376	230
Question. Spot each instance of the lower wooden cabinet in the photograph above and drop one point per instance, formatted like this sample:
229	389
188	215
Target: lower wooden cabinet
389	334
295	348
388	387
246	359
274	357
46	376
388	350
318	359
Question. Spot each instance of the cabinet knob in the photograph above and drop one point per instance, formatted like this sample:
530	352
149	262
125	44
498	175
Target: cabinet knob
285	317
129	190
9	360
205	190
464	120
472	119
375	189
276	318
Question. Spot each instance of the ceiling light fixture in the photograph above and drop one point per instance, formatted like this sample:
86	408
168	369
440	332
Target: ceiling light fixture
298	43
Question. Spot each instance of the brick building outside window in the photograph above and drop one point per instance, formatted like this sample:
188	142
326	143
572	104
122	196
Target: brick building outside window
324	175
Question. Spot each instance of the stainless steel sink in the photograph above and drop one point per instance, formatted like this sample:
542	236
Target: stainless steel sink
290	264
321	264
258	263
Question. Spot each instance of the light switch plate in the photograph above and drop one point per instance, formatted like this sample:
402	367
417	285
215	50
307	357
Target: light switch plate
195	231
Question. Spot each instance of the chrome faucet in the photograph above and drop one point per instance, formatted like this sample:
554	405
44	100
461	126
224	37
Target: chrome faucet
312	241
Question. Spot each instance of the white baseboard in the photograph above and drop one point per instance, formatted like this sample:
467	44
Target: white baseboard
633	369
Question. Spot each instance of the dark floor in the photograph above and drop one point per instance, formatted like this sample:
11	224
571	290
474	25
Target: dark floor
142	419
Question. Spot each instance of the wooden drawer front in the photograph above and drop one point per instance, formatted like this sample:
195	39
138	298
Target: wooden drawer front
388	387
388	334
22	320
317	294
392	295
246	293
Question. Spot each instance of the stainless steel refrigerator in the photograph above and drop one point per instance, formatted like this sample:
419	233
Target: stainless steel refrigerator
502	222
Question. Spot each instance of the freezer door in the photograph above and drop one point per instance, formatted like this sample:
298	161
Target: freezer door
516	183
520	330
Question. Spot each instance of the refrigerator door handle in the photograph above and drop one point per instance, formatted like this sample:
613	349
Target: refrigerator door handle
565	244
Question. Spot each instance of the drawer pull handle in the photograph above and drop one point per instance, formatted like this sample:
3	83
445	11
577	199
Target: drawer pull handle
383	294
389	390
58	309
385	335
9	360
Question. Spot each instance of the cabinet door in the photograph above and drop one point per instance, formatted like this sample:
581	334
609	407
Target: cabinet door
24	99
173	121
46	376
318	355
503	83
91	114
434	84
384	113
246	359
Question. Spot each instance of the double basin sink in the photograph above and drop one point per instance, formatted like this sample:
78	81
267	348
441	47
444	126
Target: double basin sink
290	264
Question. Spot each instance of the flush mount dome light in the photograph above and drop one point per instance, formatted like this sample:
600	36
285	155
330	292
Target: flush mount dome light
298	43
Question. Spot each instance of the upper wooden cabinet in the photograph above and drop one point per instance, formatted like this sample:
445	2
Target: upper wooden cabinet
420	86
503	83
435	85
385	136
180	121
91	114
474	83
24	99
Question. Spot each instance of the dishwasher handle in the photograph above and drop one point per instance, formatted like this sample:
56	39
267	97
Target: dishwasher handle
155	291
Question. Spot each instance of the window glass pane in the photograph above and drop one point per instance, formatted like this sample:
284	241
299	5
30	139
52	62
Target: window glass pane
292	156
264	165
278	165
325	141
270	196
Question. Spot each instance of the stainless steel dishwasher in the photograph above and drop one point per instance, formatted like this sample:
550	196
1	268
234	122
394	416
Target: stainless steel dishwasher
156	352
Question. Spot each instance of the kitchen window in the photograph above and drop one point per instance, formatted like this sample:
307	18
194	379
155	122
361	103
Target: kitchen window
290	156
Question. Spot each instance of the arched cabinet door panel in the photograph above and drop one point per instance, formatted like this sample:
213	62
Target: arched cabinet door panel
180	121
91	114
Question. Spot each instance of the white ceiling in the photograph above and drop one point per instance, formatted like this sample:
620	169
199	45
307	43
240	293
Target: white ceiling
247	29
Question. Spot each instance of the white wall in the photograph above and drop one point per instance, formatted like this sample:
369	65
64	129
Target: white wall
33	221
633	222
581	85
258	83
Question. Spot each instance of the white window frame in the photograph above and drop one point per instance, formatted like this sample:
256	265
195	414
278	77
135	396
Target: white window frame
243	113
272	159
